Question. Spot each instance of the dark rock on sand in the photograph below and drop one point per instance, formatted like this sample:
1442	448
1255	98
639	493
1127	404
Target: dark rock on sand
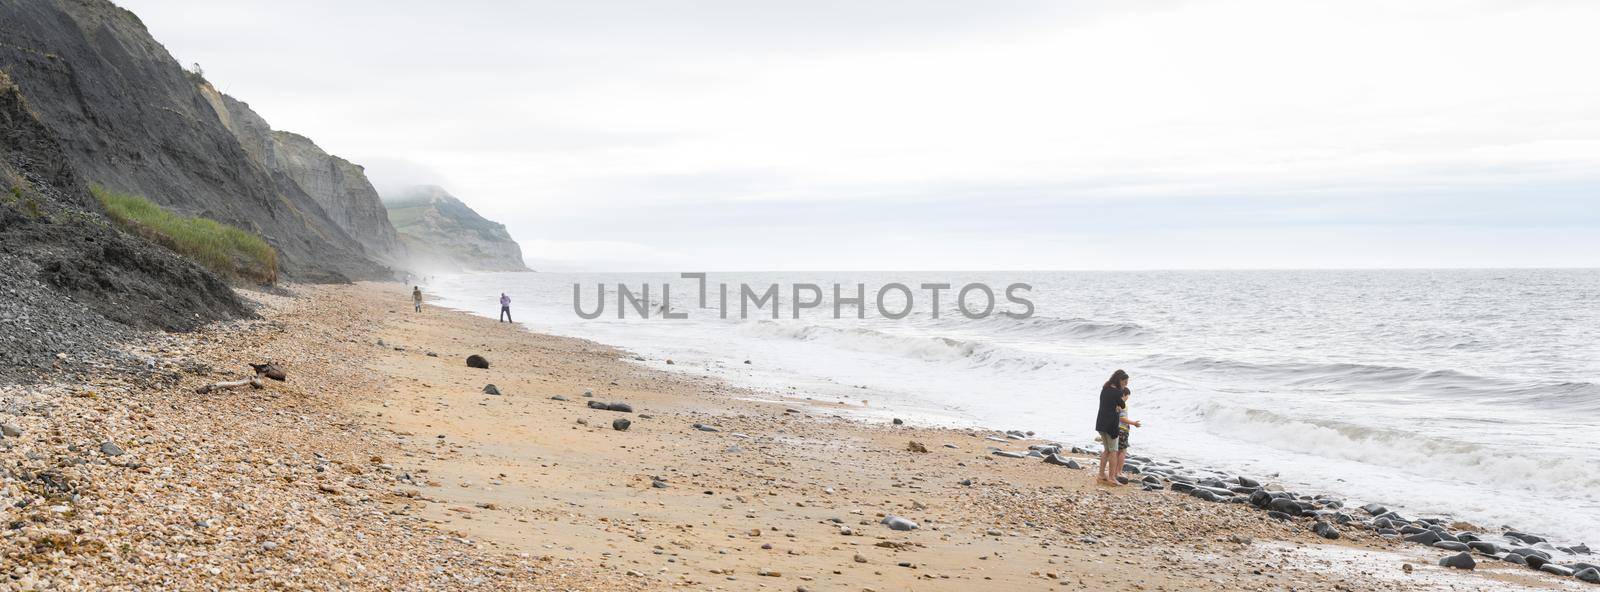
898	421
1535	561
1590	575
620	424
1325	530
1287	506
1426	537
1056	459
1452	546
623	407
110	449
558	398
1375	509
477	361
1279	516
1524	537
1580	549
490	389
705	428
1247	482
1531	551
1485	547
1560	570
1260	499
1459	561
1515	558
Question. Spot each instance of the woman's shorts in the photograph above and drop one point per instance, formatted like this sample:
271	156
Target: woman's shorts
1110	441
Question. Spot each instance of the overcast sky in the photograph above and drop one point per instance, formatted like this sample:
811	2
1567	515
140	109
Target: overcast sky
993	134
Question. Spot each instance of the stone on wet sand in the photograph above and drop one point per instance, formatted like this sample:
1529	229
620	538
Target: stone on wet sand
1588	574
477	361
1485	547
1459	561
1426	537
1375	509
490	389
1452	546
1325	530
620	424
1560	570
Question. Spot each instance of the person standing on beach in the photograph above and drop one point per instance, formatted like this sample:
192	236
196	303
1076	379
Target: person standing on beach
1123	423
416	297
1108	424
505	308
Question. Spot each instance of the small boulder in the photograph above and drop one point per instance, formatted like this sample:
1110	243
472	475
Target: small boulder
1375	509
10	431
1590	575
490	389
898	523
1485	547
477	361
109	448
1560	570
705	428
1452	546
620	424
915	446
623	407
1459	561
1325	530
898	421
1426	537
1286	505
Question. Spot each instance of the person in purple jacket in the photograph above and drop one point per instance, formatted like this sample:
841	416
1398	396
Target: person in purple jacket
505	308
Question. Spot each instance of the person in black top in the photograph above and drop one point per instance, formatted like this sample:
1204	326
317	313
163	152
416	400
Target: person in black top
1106	422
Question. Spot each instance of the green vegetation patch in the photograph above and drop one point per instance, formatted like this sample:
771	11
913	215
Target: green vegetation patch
223	249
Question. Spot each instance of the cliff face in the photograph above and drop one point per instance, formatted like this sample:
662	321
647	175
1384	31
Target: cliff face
441	233
125	114
68	280
338	186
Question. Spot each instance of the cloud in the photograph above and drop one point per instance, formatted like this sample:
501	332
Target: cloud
969	132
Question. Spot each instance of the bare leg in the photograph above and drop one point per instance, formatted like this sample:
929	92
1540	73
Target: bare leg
1105	465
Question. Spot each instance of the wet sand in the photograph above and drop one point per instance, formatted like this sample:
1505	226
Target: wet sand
380	466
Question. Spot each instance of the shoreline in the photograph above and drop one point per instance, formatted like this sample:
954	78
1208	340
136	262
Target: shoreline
378	465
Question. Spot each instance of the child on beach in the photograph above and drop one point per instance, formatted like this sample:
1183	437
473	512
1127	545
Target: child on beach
1122	428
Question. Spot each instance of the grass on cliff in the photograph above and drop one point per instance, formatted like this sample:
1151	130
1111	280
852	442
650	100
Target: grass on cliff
225	250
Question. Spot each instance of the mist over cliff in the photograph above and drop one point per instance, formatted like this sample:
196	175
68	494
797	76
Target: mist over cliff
442	234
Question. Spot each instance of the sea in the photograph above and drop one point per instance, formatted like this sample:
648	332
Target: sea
1469	394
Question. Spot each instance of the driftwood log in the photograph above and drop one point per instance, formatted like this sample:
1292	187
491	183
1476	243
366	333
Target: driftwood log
267	370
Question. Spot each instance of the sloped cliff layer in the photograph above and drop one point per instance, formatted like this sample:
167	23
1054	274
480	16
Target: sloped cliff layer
441	233
339	186
69	282
127	116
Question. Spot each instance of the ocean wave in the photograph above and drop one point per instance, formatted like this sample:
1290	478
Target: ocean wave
1043	327
1408	451
934	349
974	354
1568	395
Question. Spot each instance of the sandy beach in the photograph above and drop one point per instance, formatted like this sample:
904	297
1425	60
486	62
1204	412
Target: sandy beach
381	463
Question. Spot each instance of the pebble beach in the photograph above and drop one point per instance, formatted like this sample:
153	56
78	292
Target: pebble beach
385	462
